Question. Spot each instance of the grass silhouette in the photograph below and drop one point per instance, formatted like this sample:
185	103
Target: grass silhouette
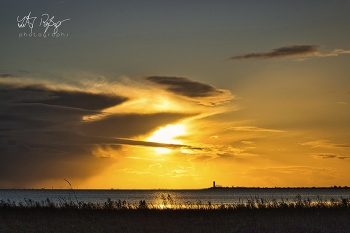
169	203
251	215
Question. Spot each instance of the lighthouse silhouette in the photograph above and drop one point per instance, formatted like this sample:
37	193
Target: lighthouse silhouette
213	184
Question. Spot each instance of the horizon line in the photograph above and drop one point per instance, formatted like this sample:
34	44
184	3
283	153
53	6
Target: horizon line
160	189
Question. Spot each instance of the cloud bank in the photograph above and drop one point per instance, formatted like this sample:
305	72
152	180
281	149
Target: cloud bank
48	134
40	94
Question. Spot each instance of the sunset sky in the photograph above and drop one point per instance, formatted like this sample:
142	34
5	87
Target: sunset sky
174	94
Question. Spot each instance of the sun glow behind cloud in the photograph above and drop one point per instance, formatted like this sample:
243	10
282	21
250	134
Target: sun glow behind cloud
167	135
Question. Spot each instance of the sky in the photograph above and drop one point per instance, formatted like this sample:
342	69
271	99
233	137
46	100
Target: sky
174	94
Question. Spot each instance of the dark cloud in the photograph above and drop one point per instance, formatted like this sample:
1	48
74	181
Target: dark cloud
43	135
28	114
282	52
8	75
44	95
185	86
330	156
225	155
342	145
23	166
24	71
201	158
83	100
31	155
123	141
55	150
129	125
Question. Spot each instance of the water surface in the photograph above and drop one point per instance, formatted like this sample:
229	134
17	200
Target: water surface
155	197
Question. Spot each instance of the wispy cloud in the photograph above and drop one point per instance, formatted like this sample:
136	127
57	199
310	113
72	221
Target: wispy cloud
247	142
334	53
142	158
295	51
325	144
288	170
281	176
220	151
180	171
329	156
132	171
158	169
255	129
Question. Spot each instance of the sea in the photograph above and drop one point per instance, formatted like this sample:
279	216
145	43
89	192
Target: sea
179	197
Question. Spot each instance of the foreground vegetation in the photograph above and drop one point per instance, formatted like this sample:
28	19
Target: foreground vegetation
252	215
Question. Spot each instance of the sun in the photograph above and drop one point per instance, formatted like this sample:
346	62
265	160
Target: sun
167	135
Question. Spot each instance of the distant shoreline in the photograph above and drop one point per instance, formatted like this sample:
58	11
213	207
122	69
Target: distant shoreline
161	189
332	187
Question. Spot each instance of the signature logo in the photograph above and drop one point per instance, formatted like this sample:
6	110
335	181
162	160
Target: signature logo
46	22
